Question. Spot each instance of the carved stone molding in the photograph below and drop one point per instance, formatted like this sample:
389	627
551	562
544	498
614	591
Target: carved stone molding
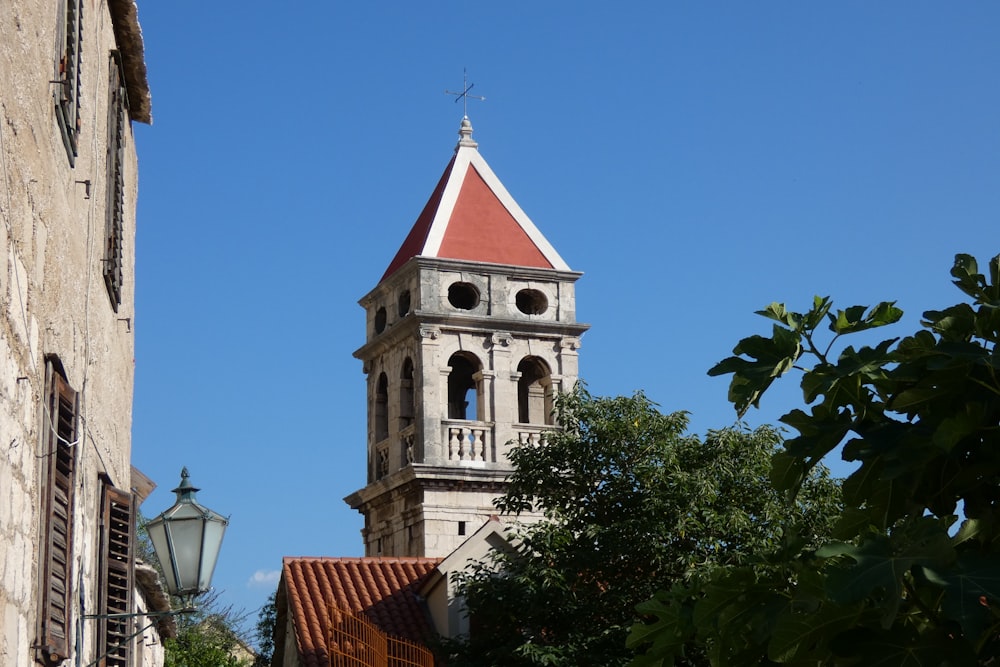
570	343
501	338
428	332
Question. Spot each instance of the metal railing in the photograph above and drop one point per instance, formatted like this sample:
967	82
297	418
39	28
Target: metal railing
354	641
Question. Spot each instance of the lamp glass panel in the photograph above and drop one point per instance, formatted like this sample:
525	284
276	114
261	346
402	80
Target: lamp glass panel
157	532
186	537
214	531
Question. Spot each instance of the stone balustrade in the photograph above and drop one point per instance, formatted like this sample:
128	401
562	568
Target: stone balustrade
469	441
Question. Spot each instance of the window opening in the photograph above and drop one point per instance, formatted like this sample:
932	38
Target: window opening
403	304
116	571
67	79
406	406
531	302
463	296
462	390
59	437
534	392
461	528
380	319
115	209
382	408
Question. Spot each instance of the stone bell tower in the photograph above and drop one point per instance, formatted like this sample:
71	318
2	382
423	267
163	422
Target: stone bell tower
469	335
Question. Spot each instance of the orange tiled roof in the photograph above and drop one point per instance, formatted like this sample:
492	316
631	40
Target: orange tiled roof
384	589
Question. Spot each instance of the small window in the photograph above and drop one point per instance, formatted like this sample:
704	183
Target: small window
380	319
117	572
115	206
404	304
463	296
531	302
67	78
59	439
461	528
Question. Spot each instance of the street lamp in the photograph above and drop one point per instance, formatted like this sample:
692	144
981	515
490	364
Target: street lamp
187	538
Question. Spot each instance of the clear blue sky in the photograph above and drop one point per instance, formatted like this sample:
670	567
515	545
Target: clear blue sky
695	160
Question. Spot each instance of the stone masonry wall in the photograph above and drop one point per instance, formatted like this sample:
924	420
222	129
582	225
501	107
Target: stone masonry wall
53	301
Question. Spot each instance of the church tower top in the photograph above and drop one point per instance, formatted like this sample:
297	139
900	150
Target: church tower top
471	216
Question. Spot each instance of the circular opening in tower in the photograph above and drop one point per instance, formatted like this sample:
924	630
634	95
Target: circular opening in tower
531	302
463	296
404	303
380	320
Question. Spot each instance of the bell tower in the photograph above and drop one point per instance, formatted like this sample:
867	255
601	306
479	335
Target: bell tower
470	334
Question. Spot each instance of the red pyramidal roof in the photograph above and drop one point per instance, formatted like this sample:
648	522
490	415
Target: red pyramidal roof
471	216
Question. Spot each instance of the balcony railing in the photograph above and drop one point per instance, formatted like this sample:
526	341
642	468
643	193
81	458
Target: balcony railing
531	434
469	441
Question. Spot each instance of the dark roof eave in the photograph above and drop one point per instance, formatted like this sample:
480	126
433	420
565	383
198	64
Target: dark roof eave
147	580
128	36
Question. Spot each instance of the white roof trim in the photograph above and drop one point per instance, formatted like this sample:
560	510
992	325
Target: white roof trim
465	156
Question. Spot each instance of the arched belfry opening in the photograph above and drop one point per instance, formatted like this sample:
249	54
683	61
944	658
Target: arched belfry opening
534	392
463	390
406	404
382	408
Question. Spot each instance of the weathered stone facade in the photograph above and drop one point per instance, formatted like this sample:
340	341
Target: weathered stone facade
72	78
463	357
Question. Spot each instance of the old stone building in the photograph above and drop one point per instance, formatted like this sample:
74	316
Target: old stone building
470	333
72	81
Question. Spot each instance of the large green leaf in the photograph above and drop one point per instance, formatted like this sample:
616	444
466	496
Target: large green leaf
796	633
902	648
972	591
857	318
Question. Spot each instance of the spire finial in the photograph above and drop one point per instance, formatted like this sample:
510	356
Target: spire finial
465	131
464	94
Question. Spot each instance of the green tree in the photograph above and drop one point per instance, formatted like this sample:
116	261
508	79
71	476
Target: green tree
267	623
630	504
208	637
914	576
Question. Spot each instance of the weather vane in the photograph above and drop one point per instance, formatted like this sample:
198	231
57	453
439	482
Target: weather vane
464	95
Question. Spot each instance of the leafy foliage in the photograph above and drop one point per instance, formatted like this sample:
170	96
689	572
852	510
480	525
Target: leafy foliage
209	637
907	582
630	504
267	622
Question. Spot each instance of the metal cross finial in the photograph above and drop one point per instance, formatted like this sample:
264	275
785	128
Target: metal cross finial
464	95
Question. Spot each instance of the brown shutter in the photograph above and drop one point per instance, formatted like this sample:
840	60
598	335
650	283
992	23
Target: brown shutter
68	93
115	205
57	563
117	527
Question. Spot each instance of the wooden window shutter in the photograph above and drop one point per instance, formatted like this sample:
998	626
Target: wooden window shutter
115	205
56	567
69	79
114	640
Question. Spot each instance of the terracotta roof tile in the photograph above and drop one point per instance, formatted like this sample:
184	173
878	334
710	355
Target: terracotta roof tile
384	589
